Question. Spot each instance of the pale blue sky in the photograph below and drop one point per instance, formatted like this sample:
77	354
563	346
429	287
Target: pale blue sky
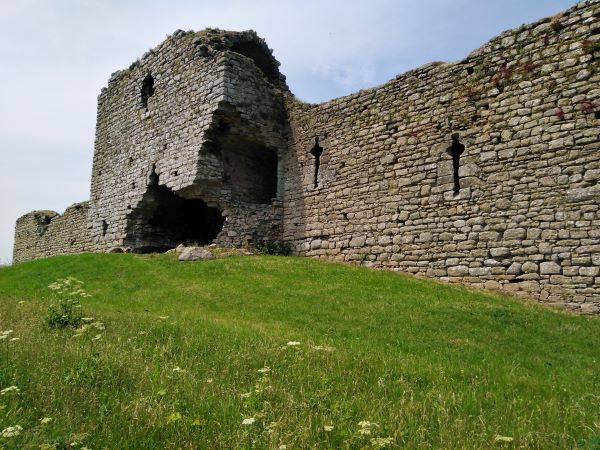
56	55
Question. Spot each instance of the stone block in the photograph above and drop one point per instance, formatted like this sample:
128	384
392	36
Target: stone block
479	271
514	269
530	267
514	234
584	194
358	241
489	236
549	268
499	251
195	254
458	271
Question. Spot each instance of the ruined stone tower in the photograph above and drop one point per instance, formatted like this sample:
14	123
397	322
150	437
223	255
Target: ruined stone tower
482	171
187	145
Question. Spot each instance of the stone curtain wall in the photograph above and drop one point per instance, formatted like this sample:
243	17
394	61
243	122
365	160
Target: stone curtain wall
47	233
526	219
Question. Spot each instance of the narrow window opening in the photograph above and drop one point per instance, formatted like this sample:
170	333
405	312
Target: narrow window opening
147	90
470	70
153	179
317	151
104	227
455	150
597	115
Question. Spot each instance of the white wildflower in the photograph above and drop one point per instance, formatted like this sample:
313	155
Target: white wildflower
45	420
367	424
366	427
246	394
323	348
11	431
293	343
271	428
209	380
248	421
9	389
264	370
381	442
328	428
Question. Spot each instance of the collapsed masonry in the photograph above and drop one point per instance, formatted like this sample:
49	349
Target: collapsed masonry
482	171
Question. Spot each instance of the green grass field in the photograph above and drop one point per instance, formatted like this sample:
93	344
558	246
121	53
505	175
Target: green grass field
275	352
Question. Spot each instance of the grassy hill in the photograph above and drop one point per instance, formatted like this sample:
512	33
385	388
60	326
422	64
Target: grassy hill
274	352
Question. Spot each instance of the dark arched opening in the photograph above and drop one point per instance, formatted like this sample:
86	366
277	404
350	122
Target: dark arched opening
163	220
250	170
249	166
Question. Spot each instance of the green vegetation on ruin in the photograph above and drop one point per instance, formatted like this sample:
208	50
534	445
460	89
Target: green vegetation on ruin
265	351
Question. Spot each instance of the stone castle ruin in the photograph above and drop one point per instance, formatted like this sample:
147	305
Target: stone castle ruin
484	171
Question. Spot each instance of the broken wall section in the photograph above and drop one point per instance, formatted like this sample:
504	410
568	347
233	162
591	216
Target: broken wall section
254	147
39	234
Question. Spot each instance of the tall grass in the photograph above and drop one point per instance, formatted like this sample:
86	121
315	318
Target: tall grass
273	352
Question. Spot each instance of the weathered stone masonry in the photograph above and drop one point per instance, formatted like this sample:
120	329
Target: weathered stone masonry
46	233
483	171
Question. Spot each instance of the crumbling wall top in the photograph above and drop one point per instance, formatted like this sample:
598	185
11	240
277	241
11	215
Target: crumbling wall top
212	41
